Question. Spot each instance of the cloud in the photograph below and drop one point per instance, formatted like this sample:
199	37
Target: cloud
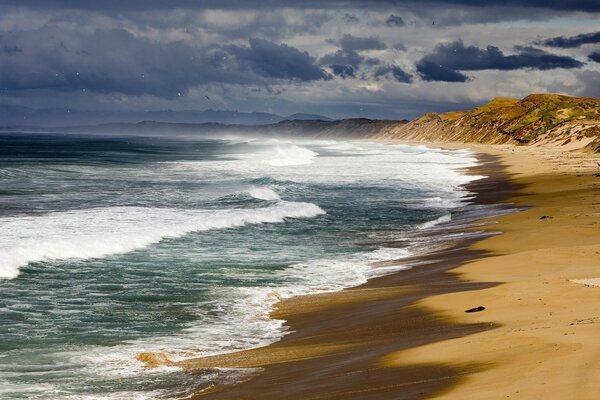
447	59
572	41
345	62
106	61
8	49
350	18
595	56
394	20
343	71
140	54
372	61
398	73
340	57
115	61
355	43
280	61
133	5
589	82
431	71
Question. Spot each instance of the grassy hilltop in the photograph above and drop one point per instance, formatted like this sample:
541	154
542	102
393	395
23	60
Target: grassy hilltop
536	119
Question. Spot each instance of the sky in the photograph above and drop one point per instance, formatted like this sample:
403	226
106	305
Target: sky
352	58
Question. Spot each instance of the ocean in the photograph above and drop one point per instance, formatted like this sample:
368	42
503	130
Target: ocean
112	246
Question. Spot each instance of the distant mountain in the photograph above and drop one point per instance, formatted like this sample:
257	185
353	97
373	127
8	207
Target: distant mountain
306	117
346	128
56	117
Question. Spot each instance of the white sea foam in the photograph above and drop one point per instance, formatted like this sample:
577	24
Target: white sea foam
100	232
263	193
437	221
433	170
289	154
239	318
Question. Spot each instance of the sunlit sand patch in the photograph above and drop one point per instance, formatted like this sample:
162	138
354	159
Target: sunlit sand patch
591	282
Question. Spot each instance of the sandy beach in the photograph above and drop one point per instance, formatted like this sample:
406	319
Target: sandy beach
407	336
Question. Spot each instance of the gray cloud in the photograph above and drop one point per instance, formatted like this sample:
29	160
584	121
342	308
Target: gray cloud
280	61
355	43
430	71
394	20
572	41
350	18
141	54
398	73
115	61
595	56
589	82
575	5
447	59
343	71
340	57
106	61
345	62
8	49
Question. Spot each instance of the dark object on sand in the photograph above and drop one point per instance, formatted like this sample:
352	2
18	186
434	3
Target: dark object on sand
476	309
545	217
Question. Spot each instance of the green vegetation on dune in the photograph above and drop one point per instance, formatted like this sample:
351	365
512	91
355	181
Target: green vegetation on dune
550	118
525	120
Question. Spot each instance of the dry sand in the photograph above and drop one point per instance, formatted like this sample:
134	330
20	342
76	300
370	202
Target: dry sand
547	345
406	336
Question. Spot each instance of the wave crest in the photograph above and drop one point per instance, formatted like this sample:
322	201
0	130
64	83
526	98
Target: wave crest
100	232
287	155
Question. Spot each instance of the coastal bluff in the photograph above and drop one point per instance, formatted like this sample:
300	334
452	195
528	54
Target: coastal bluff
538	119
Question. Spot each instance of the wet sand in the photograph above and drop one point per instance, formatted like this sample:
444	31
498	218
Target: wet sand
406	335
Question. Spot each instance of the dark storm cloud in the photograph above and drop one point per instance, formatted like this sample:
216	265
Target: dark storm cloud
572	5
66	53
372	61
355	43
431	71
281	61
340	57
350	18
398	73
345	62
447	59
343	71
103	61
595	56
572	41
115	61
394	20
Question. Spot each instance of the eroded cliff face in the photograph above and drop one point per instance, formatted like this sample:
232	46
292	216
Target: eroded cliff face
538	119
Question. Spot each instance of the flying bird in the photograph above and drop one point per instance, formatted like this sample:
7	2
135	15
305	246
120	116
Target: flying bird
207	98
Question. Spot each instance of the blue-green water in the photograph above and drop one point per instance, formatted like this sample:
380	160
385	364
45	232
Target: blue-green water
112	246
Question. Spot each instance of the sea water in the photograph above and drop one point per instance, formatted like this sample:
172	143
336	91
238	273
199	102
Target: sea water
113	246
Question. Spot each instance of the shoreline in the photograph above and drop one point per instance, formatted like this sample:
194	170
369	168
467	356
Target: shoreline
406	335
344	334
